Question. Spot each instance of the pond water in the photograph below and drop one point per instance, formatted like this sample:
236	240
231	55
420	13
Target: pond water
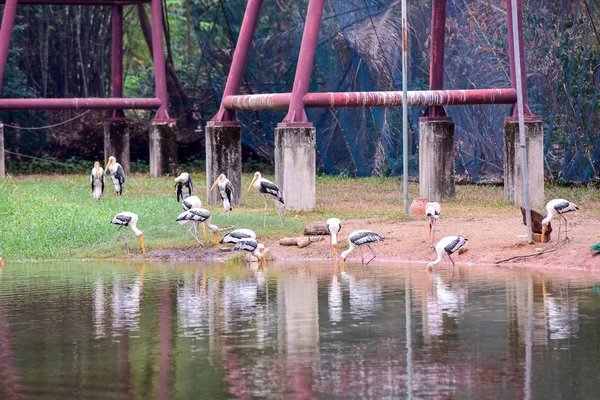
112	330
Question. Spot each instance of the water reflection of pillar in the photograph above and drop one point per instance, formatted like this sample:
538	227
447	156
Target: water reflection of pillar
562	311
524	315
10	374
298	332
528	339
409	361
99	301
164	339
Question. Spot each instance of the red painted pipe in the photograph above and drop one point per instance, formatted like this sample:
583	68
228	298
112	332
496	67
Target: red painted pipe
79	104
158	51
280	101
80	2
8	19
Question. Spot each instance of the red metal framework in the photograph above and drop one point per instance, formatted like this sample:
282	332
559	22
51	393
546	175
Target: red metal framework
116	102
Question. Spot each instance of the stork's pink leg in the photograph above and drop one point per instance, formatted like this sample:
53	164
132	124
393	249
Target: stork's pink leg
374	255
278	212
265	217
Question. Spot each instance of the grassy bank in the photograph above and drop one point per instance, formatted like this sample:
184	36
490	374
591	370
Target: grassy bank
56	217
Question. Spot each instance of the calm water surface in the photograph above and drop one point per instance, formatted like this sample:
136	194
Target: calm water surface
110	330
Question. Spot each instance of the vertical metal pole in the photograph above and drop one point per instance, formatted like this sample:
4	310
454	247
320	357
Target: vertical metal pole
511	43
158	51
405	105
8	19
117	56
436	64
2	161
240	59
296	115
409	360
521	113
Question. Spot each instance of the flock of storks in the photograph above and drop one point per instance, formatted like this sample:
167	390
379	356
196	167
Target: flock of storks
245	239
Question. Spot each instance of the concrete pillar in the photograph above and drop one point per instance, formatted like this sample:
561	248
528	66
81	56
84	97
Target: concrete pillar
436	158
295	165
223	156
2	161
116	142
163	148
513	178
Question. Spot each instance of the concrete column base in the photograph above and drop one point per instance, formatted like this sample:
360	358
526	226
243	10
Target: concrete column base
436	158
116	142
223	156
295	165
513	178
163	148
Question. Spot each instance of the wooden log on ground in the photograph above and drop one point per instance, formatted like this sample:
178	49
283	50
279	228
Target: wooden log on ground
303	242
316	230
287	241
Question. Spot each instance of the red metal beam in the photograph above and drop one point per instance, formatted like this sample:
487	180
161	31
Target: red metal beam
79	2
8	19
436	65
158	51
79	104
238	64
279	101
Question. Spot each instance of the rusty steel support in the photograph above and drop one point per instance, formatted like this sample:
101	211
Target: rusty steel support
280	101
511	57
296	117
79	104
117	57
8	19
158	51
436	61
226	116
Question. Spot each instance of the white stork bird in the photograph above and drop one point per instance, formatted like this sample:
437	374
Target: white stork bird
187	204
447	246
432	210
560	207
334	226
183	180
358	238
234	237
116	173
129	219
266	187
227	192
253	247
97	180
199	215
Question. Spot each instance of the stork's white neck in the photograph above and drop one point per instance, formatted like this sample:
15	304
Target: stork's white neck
135	229
346	253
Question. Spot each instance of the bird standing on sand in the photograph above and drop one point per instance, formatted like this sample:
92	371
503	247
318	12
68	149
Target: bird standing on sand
187	204
129	219
357	239
334	226
226	191
266	187
234	237
183	180
116	174
199	215
97	180
560	207
447	246
432	210
253	247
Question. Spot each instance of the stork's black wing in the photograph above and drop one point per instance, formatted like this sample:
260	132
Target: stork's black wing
125	219
365	237
179	191
190	184
230	191
454	245
271	189
120	175
248	245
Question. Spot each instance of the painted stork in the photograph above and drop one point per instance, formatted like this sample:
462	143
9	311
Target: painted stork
129	219
560	207
97	180
252	247
183	180
116	174
432	210
226	191
447	246
266	187
188	203
234	237
358	238
199	215
334	226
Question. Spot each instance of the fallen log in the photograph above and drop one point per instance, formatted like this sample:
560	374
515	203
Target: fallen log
314	230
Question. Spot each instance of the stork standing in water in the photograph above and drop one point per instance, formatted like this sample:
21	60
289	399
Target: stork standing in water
334	226
199	215
129	219
560	207
97	180
447	246
266	187
357	239
234	237
226	191
183	180
116	174
252	247
187	204
432	210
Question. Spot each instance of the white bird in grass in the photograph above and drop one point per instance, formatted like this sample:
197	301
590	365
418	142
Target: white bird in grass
234	237
266	187
97	180
358	238
253	247
432	210
129	219
183	180
560	207
447	246
187	204
116	173
199	215
334	226
227	192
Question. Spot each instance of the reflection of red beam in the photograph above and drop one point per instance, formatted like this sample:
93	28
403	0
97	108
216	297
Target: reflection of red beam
77	104
10	372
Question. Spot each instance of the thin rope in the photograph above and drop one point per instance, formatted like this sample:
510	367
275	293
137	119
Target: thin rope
45	160
49	126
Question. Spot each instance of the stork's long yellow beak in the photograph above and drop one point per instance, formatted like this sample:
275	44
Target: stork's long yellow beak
262	259
108	164
203	229
252	183
342	264
544	233
334	249
429	237
216	182
217	238
141	237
